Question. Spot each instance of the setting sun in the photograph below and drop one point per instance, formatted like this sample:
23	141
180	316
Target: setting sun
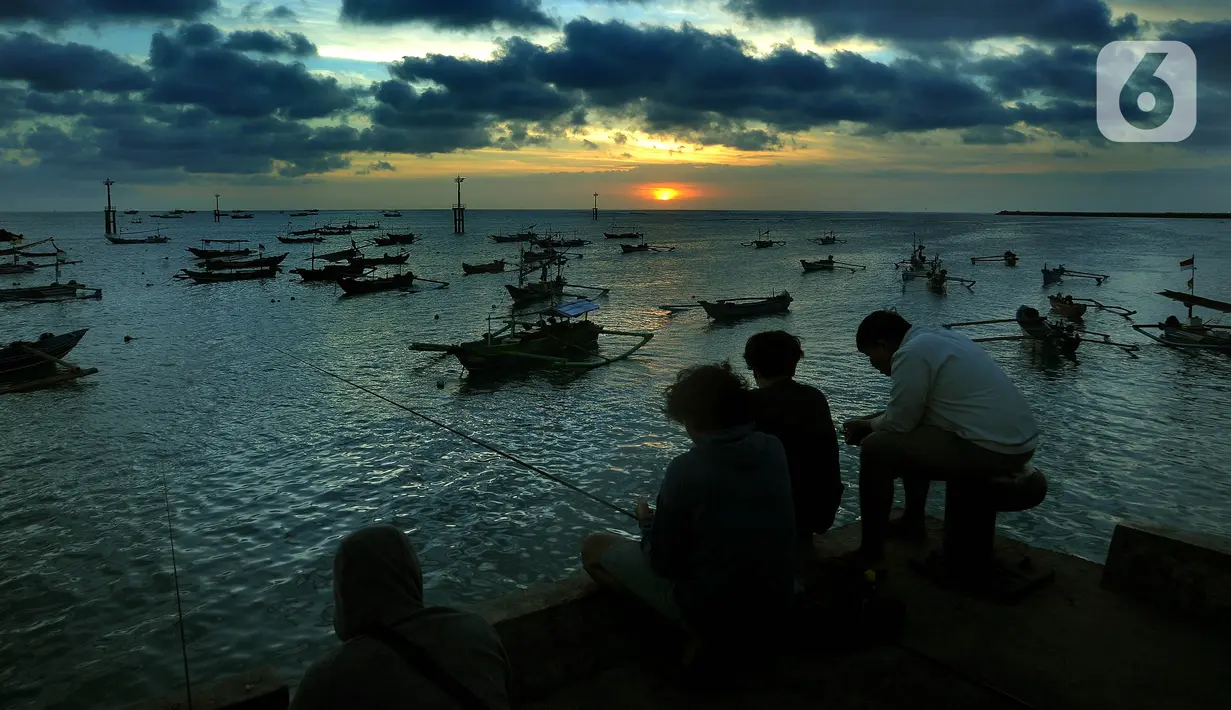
665	193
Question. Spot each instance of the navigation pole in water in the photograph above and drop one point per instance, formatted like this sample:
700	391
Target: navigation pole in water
459	210
109	214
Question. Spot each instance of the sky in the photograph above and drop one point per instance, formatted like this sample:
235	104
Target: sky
880	105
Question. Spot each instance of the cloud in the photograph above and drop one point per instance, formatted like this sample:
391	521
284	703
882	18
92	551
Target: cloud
64	12
282	13
289	43
195	67
1081	21
47	66
994	135
589	144
619	138
450	14
378	166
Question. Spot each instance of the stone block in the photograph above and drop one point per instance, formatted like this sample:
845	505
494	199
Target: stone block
259	689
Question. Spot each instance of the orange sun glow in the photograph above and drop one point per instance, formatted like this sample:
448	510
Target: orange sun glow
665	193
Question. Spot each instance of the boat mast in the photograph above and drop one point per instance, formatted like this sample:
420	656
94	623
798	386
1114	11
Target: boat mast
1192	275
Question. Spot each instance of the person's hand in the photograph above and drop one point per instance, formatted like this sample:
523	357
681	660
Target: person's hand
645	513
854	430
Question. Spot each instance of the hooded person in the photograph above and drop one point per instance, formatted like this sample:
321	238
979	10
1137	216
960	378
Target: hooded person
396	652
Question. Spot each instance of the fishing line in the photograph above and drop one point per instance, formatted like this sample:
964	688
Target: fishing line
467	437
178	605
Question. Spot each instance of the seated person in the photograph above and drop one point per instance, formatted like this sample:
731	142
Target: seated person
717	555
952	413
798	415
395	651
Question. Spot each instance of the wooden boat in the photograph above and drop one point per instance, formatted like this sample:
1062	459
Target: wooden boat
206	253
937	279
333	231
154	239
529	292
362	227
763	242
15	268
393	239
330	272
28	366
1009	259
828	264
632	248
132	211
494	267
372	284
1052	338
827	239
302	240
1067	306
379	260
733	308
167	216
22	250
50	293
555	339
622	235
1196	334
525	235
555	242
342	255
393	214
241	216
7	236
221	264
201	277
1056	275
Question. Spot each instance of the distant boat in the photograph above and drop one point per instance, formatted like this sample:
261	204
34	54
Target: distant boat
132	211
246	215
393	214
732	308
373	284
152	239
494	267
391	239
301	240
167	216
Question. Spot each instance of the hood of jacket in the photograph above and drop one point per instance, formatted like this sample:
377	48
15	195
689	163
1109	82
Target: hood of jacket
377	581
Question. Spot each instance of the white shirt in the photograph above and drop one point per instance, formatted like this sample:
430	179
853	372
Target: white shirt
946	380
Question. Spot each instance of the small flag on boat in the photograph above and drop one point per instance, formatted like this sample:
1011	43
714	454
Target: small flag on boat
1188	262
1190	283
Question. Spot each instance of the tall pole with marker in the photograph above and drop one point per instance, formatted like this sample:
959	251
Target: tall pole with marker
459	209
109	213
594	214
217	211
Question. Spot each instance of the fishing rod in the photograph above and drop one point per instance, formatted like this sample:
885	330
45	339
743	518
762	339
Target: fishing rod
179	608
571	486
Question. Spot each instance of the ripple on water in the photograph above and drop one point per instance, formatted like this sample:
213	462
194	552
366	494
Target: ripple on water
269	463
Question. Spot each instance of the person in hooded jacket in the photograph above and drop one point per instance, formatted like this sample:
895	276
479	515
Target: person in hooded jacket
721	542
397	652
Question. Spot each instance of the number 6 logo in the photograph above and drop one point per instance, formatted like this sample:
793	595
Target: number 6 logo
1147	92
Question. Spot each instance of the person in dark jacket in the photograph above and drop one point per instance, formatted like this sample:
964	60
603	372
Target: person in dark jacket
721	540
798	415
378	610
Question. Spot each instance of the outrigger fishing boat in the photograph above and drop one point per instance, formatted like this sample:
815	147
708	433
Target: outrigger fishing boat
525	235
302	240
329	272
355	285
206	253
917	260
393	213
233	263
494	267
22	250
7	236
622	235
828	264
529	292
556	242
155	238
1196	333
632	248
560	337
763	241
250	274
827	239
31	365
1051	338
936	277
1075	308
53	292
394	239
1009	259
735	308
343	255
1056	275
379	260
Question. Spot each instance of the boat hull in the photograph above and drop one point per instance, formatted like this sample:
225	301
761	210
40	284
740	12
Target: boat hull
222	264
1072	311
355	286
333	272
624	235
217	253
147	240
630	248
15	363
203	277
301	240
732	310
535	291
527	349
50	291
820	265
493	268
1045	334
395	239
378	260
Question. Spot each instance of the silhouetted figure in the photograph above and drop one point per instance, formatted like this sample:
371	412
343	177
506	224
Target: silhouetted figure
396	652
717	554
798	415
952	413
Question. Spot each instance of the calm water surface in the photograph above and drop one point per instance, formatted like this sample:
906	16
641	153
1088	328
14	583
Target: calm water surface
268	463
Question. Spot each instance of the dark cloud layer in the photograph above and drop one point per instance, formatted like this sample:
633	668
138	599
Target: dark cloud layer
1082	21
450	14
48	66
62	12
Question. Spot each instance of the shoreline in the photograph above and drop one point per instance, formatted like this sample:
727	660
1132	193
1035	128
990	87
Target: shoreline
1136	215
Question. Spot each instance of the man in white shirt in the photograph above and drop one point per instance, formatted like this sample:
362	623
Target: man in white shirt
952	414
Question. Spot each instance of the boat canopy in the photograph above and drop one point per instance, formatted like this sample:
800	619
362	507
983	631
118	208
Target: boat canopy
1190	300
225	241
572	309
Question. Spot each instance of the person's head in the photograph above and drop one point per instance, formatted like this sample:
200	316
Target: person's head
772	355
879	336
707	398
377	580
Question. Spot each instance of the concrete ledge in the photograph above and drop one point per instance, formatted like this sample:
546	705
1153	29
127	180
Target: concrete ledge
260	689
557	632
1184	572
